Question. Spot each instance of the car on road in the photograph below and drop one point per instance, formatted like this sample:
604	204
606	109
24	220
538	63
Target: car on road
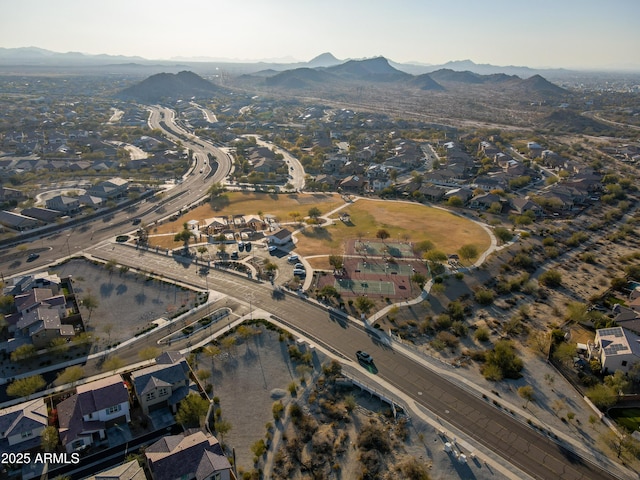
272	248
137	221
292	258
364	357
32	257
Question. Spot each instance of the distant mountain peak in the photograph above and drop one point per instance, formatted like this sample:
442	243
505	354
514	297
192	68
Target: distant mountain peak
180	85
324	60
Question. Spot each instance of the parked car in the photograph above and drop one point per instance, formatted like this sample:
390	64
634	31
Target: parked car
292	258
235	255
272	248
363	356
299	266
241	246
299	272
247	246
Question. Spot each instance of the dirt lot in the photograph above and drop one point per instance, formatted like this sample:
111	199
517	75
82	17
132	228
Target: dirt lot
126	302
250	377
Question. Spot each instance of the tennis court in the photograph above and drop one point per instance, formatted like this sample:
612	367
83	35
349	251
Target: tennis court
359	287
385	268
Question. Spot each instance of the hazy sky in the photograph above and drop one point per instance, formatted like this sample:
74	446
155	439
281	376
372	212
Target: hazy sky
541	33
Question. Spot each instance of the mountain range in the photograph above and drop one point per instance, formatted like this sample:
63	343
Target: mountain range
352	74
40	59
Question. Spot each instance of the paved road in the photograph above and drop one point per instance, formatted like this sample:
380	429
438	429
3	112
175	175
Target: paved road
513	440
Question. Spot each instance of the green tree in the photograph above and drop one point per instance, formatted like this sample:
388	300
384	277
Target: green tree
90	302
222	427
184	236
467	252
70	375
602	396
336	261
382	234
314	213
364	304
49	438
23	352
455	201
23	387
148	353
419	279
503	357
192	409
212	351
112	364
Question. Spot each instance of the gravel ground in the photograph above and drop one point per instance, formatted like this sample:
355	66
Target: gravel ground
253	375
126	301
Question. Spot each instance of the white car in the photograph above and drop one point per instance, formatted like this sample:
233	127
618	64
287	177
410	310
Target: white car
272	248
292	258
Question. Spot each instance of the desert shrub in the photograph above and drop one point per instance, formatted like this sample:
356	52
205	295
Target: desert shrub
550	278
449	339
482	334
484	296
372	436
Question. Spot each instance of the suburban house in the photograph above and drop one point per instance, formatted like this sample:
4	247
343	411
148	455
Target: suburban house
524	205
96	406
17	221
41	316
352	183
109	189
164	384
46	215
64	204
127	471
24	283
617	349
190	455
485	201
21	425
281	237
11	195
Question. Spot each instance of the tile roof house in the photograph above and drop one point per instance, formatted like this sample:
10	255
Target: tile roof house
41	315
164	384
128	471
112	188
21	425
64	204
85	416
190	455
17	221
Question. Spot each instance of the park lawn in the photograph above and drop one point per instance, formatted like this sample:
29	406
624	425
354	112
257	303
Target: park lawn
405	221
248	203
627	417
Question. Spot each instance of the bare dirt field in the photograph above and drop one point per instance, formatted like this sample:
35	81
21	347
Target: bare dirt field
258	372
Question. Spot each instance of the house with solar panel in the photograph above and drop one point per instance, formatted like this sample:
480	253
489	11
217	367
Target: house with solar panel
617	349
